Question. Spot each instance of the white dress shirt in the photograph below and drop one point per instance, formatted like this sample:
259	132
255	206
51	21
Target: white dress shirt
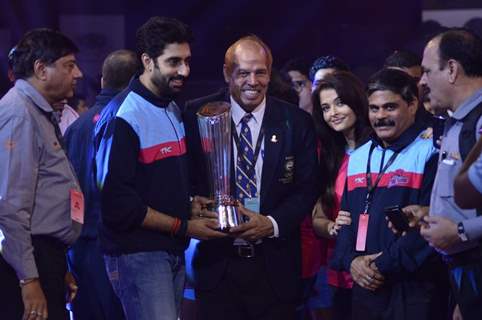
237	113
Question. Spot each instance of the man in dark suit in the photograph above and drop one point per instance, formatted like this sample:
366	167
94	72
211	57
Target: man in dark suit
255	274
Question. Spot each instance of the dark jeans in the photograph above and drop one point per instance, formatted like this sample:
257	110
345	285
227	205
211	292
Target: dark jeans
149	284
51	265
95	299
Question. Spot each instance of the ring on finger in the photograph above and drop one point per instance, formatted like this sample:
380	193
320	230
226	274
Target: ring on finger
33	312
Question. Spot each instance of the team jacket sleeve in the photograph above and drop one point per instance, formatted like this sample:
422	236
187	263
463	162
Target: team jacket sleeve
408	252
345	241
122	207
19	166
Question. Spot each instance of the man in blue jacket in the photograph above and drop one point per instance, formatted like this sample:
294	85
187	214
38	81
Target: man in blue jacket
95	299
394	277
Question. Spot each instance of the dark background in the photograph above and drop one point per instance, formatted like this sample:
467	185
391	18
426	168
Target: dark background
362	33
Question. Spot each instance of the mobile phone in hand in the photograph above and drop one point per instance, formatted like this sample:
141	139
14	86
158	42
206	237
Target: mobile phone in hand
397	217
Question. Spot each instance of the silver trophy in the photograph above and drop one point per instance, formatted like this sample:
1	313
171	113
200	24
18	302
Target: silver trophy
214	120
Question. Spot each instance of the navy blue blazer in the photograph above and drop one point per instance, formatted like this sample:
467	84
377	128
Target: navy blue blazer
287	194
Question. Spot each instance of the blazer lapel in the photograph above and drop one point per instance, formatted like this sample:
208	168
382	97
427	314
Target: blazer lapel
274	136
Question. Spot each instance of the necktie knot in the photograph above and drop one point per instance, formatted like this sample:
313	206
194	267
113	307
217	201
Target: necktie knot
247	117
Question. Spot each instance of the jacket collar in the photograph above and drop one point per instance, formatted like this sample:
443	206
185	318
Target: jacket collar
136	86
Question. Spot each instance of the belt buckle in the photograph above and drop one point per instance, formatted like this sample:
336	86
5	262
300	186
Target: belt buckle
246	251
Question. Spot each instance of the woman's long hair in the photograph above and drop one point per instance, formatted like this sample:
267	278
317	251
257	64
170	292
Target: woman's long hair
333	144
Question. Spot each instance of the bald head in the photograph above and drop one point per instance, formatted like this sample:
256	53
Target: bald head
243	45
247	70
118	68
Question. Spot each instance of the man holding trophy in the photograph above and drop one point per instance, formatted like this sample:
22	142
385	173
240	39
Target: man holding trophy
271	173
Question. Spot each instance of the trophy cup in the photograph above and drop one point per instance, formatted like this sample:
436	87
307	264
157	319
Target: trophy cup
214	120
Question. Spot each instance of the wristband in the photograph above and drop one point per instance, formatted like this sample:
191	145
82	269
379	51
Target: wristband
182	230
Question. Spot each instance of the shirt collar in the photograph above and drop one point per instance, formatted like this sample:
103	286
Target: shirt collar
28	90
237	113
468	105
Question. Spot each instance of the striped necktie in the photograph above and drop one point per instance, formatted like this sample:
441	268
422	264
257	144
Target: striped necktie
245	165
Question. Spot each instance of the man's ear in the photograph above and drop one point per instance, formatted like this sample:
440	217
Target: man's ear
454	70
413	106
40	70
147	62
226	74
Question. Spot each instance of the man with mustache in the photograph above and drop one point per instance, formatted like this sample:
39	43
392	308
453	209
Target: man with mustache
41	203
452	72
256	273
395	277
141	167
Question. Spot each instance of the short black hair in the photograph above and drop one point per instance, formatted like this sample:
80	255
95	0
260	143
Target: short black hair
393	80
465	47
42	44
158	32
327	62
402	59
297	64
118	68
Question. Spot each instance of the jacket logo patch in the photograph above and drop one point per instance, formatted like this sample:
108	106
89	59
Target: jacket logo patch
360	180
165	150
399	178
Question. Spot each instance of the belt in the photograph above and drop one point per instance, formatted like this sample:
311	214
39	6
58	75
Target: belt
467	257
247	250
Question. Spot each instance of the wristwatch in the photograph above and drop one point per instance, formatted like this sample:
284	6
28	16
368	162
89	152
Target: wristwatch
23	282
461	232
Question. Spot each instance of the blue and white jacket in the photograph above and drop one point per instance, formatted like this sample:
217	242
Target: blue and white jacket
140	162
408	180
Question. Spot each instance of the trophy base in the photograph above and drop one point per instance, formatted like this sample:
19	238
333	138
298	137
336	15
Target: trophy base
228	216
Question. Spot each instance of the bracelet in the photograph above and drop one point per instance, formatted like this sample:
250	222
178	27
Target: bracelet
182	230
175	227
24	282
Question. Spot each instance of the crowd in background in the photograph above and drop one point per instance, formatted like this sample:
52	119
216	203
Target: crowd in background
360	200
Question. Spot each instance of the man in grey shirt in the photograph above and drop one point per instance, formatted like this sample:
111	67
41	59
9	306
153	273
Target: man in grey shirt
452	71
41	205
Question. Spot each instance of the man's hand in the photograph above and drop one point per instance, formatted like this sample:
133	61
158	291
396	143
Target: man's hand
71	286
365	273
199	208
343	219
441	233
204	229
415	215
258	226
34	301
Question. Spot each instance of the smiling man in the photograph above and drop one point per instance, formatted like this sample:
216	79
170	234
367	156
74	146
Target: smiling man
142	173
41	204
395	277
257	275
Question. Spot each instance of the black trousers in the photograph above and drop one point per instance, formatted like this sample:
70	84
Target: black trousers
244	293
51	264
466	283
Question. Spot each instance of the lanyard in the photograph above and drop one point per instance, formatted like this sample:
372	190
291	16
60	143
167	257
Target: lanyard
257	149
371	187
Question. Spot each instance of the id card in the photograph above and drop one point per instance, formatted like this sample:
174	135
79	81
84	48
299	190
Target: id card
252	204
361	235
77	206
